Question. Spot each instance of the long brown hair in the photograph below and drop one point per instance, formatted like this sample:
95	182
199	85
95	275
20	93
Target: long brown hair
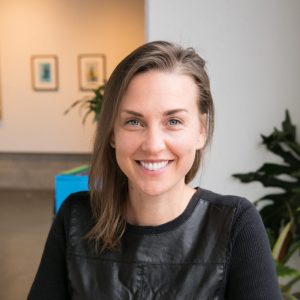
107	183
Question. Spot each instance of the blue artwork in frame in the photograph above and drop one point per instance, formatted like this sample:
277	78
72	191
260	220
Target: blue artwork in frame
45	72
44	69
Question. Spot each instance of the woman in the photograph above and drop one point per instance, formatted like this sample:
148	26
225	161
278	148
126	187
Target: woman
142	232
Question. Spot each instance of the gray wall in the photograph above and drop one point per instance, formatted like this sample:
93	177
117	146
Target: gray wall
35	171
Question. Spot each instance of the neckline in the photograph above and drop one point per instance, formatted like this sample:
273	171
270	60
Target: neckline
139	229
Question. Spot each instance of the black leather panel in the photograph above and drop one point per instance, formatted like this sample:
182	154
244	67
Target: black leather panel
187	262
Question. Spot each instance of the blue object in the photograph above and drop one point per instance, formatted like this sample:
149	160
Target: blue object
69	182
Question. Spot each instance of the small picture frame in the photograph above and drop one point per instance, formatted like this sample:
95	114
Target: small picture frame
44	72
91	70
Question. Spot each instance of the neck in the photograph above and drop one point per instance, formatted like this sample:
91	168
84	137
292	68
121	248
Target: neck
145	210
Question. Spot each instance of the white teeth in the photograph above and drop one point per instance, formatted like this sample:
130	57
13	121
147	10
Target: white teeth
154	166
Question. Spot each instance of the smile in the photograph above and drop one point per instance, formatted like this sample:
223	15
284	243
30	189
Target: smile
154	166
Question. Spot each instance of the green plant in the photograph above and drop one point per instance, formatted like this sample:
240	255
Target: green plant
92	104
283	270
281	211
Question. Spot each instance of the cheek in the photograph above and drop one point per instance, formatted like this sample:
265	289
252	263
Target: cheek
185	150
186	142
124	146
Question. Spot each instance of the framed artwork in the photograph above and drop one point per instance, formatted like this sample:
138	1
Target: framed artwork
44	72
92	71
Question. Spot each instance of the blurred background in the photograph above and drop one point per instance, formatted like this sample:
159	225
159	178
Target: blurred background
252	52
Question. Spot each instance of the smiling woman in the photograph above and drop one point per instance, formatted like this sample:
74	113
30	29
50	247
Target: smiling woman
142	232
156	135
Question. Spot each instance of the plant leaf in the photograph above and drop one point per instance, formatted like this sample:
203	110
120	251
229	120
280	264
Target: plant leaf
274	169
287	296
287	287
292	249
287	126
294	146
92	104
281	240
296	174
284	270
272	143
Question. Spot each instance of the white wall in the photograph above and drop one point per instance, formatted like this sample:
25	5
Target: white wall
252	51
34	121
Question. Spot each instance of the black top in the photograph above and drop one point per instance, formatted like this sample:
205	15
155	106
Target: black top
248	271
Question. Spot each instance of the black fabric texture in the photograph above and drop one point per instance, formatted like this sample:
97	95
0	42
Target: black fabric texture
247	273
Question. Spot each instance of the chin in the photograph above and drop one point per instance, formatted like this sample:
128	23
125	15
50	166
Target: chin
154	190
151	190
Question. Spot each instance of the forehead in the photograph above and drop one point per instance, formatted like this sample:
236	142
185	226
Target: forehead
160	88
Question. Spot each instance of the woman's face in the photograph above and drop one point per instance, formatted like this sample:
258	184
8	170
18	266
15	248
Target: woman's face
157	131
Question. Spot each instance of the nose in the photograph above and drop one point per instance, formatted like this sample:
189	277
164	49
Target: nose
154	140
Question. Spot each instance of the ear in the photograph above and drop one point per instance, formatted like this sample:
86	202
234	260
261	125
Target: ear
201	140
112	141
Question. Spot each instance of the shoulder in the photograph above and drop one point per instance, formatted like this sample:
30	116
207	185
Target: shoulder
75	206
78	200
245	213
226	200
250	268
75	215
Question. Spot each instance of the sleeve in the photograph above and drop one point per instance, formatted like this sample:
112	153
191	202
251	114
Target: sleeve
251	270
51	279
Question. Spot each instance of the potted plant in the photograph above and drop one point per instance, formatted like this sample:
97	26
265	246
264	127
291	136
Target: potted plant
92	104
281	211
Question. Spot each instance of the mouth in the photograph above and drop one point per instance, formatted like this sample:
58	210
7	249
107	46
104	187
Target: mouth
154	166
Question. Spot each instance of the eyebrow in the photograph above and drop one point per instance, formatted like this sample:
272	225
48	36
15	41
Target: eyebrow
167	113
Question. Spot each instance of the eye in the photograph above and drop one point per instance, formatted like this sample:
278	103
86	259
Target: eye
174	122
133	122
